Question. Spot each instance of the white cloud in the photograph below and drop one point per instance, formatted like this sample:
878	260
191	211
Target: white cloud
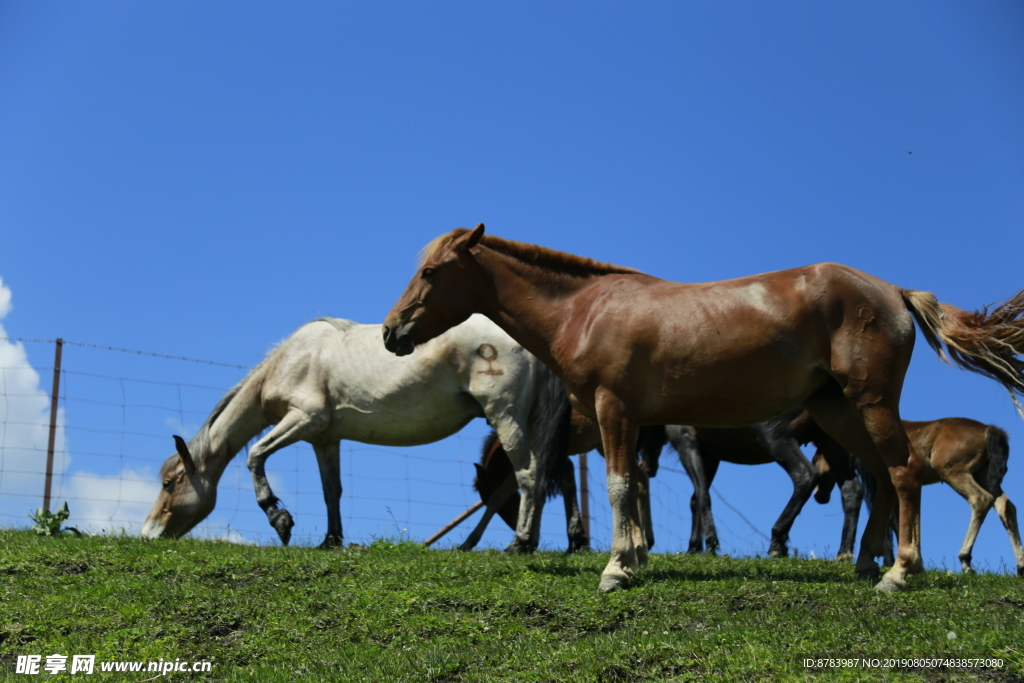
110	503
5	299
24	429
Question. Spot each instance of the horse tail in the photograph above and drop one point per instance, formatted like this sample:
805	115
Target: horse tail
997	448
551	419
986	342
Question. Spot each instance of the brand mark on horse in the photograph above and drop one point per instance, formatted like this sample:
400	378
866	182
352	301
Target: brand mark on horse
489	354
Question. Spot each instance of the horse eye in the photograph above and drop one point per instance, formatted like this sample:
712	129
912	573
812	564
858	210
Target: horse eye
428	272
168	485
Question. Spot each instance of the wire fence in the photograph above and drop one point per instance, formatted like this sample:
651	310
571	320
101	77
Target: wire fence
119	407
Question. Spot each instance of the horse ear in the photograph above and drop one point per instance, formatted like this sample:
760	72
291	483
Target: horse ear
186	457
473	239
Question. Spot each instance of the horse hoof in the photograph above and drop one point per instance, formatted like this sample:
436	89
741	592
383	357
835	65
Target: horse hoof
890	585
282	522
518	547
610	584
330	543
844	557
776	553
1020	571
968	570
576	547
868	574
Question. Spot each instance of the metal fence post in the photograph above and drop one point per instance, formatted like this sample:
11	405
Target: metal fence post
585	494
53	425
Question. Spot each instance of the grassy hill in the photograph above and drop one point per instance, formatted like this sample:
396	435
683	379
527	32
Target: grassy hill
398	612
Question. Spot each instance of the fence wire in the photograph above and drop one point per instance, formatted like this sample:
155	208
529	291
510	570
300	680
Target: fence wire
116	417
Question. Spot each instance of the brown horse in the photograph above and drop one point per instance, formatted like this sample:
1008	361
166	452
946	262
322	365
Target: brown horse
970	457
636	350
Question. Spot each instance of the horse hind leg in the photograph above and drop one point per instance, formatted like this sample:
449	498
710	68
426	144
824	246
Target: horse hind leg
684	441
981	502
874	433
328	459
1008	516
295	426
529	479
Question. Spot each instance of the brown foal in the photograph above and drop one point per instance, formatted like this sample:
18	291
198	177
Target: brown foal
969	456
636	350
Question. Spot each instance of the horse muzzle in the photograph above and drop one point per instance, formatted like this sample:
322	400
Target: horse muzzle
153	530
398	339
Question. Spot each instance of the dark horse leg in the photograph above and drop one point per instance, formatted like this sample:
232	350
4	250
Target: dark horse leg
650	443
777	441
573	517
702	524
852	495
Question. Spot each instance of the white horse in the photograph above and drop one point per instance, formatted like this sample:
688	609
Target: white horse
333	380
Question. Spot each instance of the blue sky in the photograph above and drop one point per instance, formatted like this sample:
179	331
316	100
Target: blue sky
199	179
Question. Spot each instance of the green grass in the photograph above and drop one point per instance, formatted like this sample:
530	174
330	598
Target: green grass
398	612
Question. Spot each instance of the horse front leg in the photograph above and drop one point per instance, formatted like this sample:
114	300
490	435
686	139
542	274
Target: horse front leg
295	426
573	517
852	495
618	435
644	504
804	478
328	458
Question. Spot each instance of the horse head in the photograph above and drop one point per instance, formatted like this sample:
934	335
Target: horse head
442	293
188	496
823	491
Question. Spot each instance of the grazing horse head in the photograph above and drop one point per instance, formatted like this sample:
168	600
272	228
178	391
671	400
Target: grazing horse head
823	491
442	293
188	496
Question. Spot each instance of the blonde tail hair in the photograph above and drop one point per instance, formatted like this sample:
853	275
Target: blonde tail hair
989	342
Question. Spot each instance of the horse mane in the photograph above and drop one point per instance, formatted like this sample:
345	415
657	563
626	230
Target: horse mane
199	445
543	257
339	324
